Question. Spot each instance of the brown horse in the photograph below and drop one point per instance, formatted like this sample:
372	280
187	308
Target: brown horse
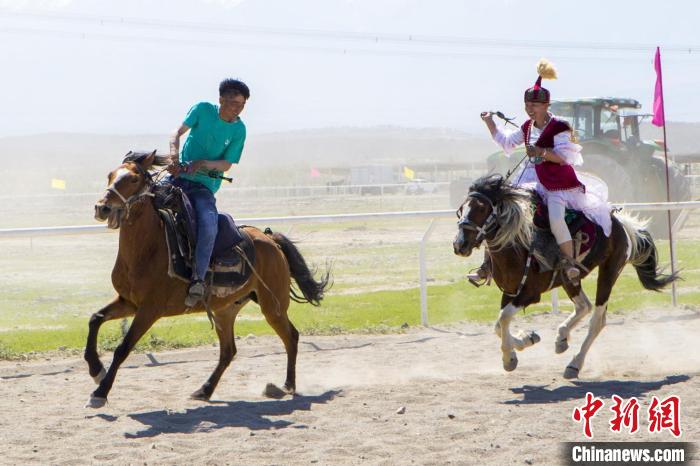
501	215
145	291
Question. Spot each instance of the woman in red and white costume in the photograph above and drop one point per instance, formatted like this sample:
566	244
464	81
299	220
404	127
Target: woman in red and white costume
550	168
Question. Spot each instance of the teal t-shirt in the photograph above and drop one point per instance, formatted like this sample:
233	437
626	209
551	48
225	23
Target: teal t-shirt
211	138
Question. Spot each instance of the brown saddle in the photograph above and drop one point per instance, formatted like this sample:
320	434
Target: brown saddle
234	253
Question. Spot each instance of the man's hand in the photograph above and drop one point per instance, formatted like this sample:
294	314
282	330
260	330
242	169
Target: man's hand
530	150
534	151
174	168
487	116
193	167
535	154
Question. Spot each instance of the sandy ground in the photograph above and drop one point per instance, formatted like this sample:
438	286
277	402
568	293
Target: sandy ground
460	406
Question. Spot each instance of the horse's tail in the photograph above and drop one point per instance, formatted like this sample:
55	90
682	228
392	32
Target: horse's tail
312	290
643	254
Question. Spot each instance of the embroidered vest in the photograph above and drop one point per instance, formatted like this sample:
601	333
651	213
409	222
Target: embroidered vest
553	176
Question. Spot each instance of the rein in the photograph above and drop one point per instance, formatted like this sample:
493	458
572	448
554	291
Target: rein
526	272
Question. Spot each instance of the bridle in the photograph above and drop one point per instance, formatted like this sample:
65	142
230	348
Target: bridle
145	191
489	225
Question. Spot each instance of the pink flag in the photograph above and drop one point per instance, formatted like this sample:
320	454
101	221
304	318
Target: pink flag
659	116
314	172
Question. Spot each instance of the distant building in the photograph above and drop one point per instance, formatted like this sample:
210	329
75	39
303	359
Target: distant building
374	174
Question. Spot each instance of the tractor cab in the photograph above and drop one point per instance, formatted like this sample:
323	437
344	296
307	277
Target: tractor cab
609	125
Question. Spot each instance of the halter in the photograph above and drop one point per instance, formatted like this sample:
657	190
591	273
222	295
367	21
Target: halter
489	224
143	192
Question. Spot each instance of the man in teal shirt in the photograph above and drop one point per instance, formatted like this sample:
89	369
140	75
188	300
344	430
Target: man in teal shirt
216	139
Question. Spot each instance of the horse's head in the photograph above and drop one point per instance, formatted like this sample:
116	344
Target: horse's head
125	184
478	214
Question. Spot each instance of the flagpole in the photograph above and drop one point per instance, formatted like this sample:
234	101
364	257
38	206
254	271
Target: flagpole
668	185
670	225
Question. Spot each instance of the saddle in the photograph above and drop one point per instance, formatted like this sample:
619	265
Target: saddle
234	253
584	233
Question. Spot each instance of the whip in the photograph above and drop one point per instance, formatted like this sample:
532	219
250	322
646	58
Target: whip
507	121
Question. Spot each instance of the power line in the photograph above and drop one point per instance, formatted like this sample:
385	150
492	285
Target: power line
370	37
245	46
337	50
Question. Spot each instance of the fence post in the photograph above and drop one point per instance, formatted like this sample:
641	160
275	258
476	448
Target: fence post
680	221
423	275
555	300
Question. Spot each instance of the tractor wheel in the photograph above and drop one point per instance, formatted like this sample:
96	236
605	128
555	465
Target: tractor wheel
680	190
620	187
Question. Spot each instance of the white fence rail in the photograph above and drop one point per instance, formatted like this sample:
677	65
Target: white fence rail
101	228
430	214
278	191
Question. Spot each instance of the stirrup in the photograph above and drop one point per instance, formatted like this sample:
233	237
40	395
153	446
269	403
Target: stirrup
571	270
477	279
195	293
573	274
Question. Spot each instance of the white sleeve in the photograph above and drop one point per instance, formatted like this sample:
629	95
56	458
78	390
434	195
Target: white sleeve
567	150
508	141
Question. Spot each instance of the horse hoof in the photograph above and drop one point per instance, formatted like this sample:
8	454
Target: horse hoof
199	395
533	337
96	402
571	373
289	389
98	378
561	345
274	392
511	363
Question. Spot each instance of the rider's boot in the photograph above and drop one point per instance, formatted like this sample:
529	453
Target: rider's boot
482	275
195	293
569	264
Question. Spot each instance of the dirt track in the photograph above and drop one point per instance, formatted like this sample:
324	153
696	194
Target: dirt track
460	407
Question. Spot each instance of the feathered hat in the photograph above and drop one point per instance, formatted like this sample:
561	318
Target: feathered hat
537	93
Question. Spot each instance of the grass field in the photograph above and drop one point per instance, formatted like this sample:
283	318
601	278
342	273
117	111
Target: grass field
52	285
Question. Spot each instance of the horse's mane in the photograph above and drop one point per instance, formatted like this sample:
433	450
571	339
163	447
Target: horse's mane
137	157
514	211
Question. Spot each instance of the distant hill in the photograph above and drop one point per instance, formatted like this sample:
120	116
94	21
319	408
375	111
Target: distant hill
29	162
353	146
325	146
271	159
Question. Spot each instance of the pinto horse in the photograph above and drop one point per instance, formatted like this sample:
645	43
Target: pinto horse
500	214
146	291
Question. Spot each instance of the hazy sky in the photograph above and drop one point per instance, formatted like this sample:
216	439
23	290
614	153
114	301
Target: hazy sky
136	66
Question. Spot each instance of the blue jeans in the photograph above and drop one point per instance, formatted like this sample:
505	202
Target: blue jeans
204	205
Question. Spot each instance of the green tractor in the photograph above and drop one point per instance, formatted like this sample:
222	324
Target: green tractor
634	169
